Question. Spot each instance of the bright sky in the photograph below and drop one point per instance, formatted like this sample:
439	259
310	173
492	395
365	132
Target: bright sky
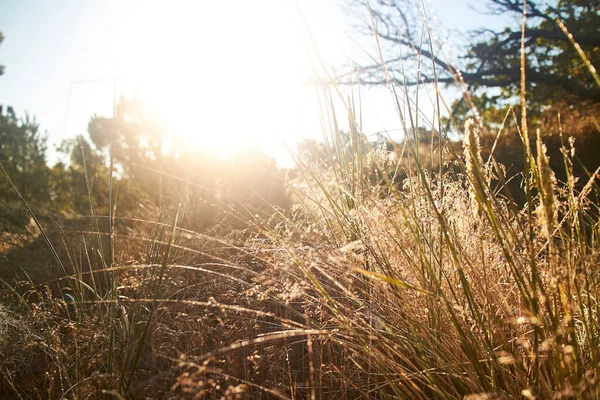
220	73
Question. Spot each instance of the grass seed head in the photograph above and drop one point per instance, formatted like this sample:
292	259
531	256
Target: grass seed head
474	163
546	211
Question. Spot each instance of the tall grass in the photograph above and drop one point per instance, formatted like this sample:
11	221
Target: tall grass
433	287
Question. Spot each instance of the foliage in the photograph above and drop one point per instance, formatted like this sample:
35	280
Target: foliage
555	68
164	169
22	154
86	175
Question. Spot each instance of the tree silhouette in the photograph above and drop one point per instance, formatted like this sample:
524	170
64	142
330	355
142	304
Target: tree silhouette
555	69
86	175
23	156
207	185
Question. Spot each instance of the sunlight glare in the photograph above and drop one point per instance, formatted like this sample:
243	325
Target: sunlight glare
220	75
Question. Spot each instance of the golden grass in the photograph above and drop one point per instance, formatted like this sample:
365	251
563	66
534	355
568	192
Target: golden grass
386	279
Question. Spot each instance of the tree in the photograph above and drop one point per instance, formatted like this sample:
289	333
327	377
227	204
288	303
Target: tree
61	190
164	170
23	156
86	175
555	69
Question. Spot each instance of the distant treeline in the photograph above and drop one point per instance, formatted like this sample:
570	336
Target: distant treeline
148	178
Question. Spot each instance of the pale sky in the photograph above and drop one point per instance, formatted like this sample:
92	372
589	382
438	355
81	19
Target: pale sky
219	72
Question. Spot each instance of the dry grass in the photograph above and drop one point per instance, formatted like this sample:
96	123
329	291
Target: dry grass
386	279
433	290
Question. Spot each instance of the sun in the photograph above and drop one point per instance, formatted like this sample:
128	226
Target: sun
222	75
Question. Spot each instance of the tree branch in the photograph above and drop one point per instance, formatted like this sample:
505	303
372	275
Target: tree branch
554	34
